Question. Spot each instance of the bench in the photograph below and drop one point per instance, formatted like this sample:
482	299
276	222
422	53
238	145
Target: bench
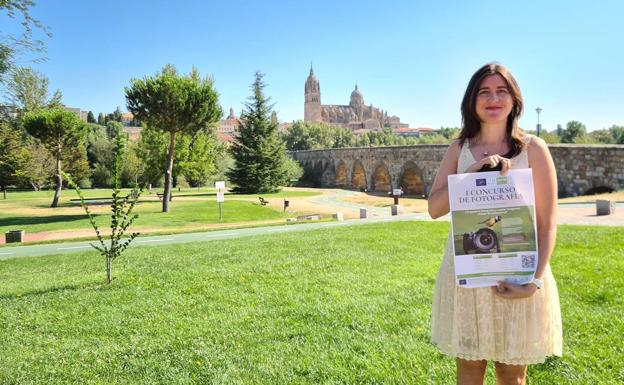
263	201
134	194
160	196
310	217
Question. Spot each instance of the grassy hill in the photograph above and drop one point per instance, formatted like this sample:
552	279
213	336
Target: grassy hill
348	305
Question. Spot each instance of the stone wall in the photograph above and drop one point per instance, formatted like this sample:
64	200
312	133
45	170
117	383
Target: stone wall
586	168
580	168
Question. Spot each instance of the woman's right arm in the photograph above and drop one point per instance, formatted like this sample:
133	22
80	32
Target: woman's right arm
438	197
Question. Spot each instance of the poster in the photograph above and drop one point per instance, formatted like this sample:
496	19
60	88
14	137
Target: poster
493	227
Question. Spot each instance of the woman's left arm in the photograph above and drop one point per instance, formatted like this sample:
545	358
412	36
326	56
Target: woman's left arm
545	185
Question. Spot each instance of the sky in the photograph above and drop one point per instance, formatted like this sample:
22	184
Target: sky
411	58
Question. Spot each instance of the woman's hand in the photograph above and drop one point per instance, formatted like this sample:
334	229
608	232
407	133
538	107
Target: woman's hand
513	291
492	161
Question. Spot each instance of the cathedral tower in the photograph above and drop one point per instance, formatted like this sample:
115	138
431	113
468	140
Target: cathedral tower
357	103
312	106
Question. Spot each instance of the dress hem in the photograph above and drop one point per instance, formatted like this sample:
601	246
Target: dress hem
517	361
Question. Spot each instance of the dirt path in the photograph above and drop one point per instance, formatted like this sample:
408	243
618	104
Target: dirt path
331	201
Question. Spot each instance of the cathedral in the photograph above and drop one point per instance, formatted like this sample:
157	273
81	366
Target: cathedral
357	116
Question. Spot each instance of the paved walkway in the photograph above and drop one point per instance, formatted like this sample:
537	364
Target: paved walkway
585	214
336	200
567	213
72	247
571	213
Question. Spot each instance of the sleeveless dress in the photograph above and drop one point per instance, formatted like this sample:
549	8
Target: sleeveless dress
476	324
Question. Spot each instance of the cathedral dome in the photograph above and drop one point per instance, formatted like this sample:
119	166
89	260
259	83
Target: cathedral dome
356	97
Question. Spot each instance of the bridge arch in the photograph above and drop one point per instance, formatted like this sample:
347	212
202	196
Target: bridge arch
599	190
382	182
411	179
341	174
358	176
326	170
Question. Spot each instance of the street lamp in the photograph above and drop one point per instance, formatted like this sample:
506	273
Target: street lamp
539	126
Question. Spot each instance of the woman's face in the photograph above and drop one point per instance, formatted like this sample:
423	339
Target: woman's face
494	101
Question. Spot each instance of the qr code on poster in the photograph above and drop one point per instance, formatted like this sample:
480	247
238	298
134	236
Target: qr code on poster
528	261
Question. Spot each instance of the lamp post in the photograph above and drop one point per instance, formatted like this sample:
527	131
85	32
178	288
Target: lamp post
539	126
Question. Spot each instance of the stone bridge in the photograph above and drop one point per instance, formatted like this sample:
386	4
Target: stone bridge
581	169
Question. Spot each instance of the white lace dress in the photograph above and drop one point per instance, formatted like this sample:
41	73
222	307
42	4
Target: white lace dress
476	324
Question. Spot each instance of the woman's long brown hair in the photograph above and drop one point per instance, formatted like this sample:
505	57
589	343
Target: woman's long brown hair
471	125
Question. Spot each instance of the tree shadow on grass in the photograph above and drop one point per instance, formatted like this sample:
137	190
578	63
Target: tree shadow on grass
33	220
53	289
182	195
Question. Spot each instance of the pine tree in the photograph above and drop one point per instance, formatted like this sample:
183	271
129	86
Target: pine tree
259	154
116	115
90	117
14	157
176	105
59	131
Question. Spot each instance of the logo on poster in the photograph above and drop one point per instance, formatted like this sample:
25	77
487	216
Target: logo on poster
481	182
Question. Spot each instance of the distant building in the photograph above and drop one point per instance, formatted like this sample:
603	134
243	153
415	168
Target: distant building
357	115
82	115
134	133
127	118
226	131
284	127
414	132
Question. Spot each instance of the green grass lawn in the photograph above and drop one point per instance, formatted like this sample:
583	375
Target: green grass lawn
183	214
189	210
347	305
21	198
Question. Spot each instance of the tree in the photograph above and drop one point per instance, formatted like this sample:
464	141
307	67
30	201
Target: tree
294	171
450	132
174	104
617	132
100	155
573	130
12	46
312	136
550	137
101	120
433	139
27	90
152	150
133	167
259	154
91	118
14	157
121	213
76	163
116	115
195	156
199	165
602	136
344	137
113	128
40	168
58	131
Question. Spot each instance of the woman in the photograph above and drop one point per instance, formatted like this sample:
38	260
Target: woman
512	325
